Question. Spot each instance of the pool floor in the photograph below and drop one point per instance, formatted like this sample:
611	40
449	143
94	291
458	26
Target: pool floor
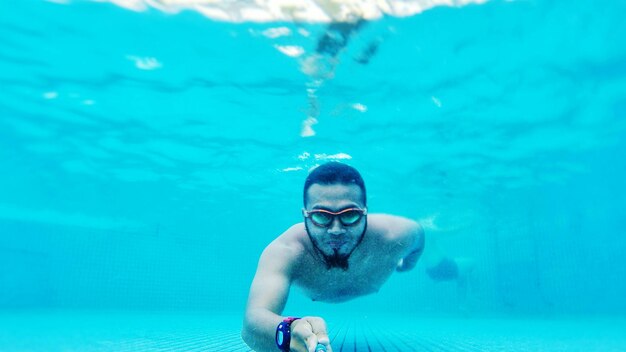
85	331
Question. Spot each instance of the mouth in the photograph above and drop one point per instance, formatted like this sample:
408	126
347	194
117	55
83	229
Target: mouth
336	244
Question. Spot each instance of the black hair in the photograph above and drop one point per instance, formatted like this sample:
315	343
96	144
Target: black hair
331	173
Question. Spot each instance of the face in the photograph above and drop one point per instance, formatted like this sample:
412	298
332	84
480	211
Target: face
336	241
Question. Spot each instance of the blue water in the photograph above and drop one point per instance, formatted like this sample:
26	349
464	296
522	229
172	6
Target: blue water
147	158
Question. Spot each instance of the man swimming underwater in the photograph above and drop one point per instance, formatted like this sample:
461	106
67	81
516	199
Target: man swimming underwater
338	253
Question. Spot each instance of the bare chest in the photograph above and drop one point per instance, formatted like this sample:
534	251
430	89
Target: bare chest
363	277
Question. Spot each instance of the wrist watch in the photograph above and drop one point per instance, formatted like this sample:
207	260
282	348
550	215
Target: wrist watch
283	333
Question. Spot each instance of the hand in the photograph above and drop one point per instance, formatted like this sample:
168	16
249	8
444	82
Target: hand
307	332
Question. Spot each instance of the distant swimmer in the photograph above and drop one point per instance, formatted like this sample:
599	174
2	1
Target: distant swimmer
339	252
337	36
320	65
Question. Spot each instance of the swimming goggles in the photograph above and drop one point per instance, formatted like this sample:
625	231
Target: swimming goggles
324	218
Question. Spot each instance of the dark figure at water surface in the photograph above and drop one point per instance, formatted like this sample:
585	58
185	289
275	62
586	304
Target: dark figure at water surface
337	36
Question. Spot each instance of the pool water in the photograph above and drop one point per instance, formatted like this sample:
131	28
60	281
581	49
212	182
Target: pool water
148	154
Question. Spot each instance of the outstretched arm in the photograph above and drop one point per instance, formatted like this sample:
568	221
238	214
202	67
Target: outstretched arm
267	299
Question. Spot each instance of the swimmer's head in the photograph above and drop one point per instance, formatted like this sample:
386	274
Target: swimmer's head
335	213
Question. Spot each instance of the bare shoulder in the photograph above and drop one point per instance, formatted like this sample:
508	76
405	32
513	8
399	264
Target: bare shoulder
394	229
284	251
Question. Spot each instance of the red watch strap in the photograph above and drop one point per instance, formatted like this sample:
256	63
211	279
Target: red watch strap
290	320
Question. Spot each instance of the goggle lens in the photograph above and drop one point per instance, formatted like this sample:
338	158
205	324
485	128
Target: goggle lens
350	217
322	219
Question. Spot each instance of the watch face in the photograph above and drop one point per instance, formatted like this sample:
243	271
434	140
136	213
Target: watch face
279	338
283	333
282	336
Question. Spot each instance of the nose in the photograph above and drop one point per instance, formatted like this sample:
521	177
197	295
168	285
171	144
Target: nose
336	228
